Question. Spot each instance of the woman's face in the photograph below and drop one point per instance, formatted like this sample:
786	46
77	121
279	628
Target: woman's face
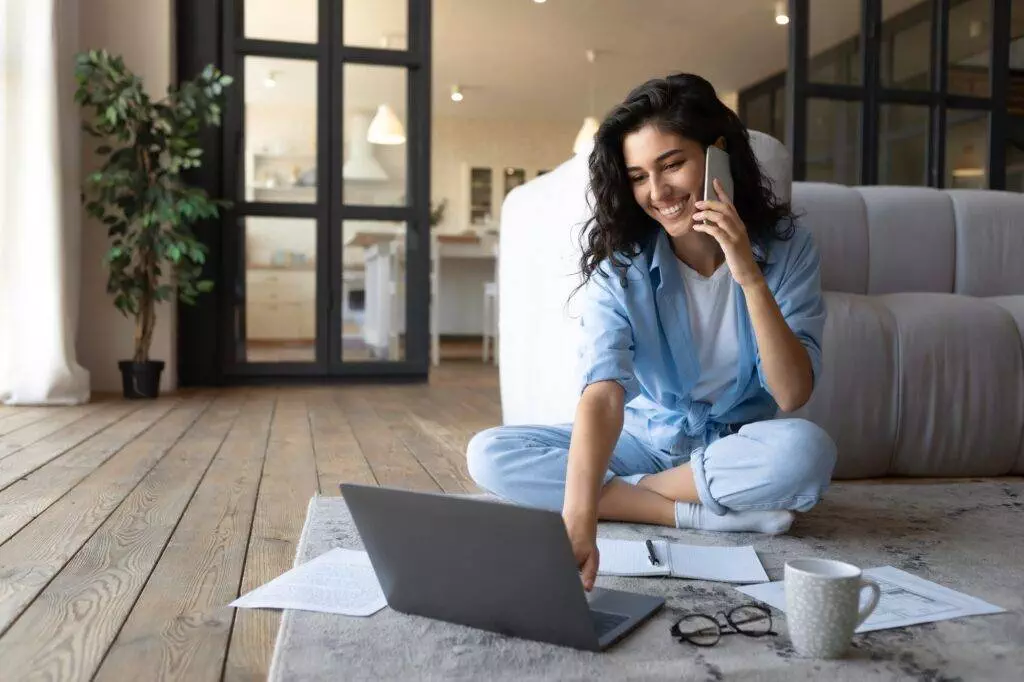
667	174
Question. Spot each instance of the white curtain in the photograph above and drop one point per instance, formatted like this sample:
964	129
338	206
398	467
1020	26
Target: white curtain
40	213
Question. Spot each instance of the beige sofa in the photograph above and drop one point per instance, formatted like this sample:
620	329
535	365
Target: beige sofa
923	369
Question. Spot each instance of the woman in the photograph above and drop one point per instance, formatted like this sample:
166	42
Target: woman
701	320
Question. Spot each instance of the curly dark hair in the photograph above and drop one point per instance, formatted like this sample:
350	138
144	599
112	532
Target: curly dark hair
687	105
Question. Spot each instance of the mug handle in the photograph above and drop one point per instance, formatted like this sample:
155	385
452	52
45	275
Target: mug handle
876	594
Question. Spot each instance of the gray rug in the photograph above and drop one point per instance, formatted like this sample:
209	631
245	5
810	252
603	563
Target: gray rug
967	536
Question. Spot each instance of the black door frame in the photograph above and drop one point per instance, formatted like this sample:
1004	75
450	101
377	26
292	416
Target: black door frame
208	32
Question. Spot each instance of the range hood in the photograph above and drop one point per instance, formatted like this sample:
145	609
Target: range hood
361	164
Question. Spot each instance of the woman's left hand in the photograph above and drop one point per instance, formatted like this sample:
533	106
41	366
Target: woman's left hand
731	234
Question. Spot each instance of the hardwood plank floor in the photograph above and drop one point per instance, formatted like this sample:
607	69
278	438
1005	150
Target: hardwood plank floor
127	527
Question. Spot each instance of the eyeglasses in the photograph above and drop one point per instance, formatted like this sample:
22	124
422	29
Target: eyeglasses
703	630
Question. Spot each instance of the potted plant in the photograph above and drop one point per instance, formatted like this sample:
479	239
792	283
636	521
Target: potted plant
140	195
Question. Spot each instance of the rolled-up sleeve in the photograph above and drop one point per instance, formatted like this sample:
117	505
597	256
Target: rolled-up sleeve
801	302
606	348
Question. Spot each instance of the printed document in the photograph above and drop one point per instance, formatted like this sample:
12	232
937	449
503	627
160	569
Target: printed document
906	600
339	581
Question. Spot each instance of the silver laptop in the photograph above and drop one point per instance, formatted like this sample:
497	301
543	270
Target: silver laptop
488	565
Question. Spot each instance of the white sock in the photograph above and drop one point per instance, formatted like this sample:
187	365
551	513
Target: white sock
699	517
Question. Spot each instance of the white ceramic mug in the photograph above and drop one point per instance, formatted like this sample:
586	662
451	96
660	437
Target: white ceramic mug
823	605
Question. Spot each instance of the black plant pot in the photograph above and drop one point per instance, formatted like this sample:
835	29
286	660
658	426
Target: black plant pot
141	379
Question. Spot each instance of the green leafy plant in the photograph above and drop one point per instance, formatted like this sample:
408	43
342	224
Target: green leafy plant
437	212
139	192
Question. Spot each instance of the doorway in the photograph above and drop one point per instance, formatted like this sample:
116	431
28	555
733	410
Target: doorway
321	267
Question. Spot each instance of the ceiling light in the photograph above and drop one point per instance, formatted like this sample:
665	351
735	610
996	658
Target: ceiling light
271	80
781	18
385	128
540	2
456	93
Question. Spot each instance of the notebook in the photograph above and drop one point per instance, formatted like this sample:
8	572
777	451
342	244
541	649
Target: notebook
676	560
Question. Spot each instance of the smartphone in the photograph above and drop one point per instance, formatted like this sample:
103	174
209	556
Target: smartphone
716	165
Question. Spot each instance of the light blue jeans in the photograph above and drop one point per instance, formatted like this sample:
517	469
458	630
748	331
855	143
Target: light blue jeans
773	464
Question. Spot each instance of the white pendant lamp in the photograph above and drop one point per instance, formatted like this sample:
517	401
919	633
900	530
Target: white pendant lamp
385	128
585	137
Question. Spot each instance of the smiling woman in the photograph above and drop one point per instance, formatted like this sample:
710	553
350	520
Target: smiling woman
700	321
651	150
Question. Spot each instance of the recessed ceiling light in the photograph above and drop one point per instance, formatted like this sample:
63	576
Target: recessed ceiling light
540	2
781	18
456	93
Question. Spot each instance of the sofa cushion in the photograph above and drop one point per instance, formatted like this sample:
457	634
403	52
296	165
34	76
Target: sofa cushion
836	217
855	399
959	416
989	242
911	240
1014	305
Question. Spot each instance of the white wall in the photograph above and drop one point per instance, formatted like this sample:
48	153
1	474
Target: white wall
141	31
458	144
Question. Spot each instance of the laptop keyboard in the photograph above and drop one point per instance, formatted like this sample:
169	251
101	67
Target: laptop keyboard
606	622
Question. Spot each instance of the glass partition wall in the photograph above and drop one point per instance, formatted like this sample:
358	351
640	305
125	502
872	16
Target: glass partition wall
322	264
903	92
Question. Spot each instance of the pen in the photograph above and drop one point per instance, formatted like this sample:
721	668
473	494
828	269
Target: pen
653	556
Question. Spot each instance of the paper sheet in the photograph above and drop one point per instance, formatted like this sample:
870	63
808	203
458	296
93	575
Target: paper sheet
906	600
339	581
723	564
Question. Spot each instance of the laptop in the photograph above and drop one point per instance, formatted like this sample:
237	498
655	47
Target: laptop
489	565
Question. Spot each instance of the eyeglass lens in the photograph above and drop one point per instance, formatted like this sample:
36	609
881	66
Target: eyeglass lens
701	630
750	620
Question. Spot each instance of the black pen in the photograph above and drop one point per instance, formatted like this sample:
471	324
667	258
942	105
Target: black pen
653	556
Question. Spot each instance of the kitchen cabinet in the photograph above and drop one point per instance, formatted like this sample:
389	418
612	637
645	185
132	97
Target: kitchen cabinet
280	304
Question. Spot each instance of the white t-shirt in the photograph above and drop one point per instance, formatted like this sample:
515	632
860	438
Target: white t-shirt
712	312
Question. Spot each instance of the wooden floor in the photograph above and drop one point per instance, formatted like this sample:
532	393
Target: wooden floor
126	527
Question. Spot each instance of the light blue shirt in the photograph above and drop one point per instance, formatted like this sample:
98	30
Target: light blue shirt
639	336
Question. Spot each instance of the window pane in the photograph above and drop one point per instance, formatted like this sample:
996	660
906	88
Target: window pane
373	288
1015	155
1015	167
833	141
265	19
280	290
834	49
966	149
759	113
779	114
906	45
375	130
376	23
280	130
969	47
1017	35
903	145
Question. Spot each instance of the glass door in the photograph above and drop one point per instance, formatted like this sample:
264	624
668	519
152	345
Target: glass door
327	160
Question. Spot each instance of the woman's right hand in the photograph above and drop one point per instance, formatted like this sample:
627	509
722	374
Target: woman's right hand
594	434
582	530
